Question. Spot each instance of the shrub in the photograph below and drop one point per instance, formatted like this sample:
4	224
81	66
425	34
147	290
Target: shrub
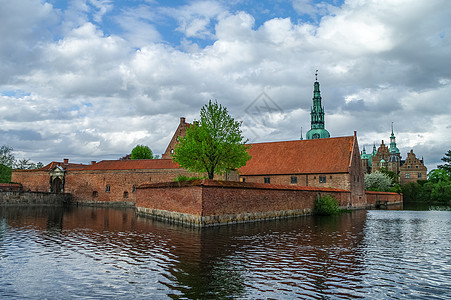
182	178
326	206
5	174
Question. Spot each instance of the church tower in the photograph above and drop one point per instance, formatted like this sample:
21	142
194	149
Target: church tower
317	130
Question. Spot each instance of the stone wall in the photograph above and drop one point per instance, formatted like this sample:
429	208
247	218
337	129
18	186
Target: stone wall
33	198
10	187
208	202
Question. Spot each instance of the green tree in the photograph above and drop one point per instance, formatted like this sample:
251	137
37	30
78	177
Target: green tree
142	152
447	160
438	175
214	144
5	174
377	181
6	156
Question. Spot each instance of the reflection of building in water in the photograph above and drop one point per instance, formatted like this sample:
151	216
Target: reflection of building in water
309	253
389	158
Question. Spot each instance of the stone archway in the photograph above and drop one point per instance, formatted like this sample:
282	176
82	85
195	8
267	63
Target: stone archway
57	180
57	185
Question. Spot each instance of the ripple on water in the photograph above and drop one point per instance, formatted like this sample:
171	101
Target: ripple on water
374	255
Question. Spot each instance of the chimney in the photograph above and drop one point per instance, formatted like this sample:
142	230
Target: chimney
182	120
93	162
66	161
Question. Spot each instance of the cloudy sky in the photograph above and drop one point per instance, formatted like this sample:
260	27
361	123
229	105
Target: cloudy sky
91	79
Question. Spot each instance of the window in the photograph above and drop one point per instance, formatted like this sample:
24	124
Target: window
358	178
95	194
125	194
267	180
134	189
330	177
172	151
242	179
107	188
416	167
420	175
294	179
408	167
407	175
150	179
322	179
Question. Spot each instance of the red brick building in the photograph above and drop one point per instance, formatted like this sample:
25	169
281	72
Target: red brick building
329	162
179	132
412	169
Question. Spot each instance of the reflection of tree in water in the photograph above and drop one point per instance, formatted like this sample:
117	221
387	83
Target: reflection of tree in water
280	258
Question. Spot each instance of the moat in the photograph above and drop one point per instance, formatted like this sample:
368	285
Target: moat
62	253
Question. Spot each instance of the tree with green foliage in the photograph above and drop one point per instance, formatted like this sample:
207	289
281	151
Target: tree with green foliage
142	152
378	181
5	174
6	156
447	160
214	144
437	189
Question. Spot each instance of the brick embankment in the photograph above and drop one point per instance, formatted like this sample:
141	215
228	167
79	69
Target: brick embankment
33	198
377	199
208	202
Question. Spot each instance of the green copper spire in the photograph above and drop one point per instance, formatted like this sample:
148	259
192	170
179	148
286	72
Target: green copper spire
317	115
393	141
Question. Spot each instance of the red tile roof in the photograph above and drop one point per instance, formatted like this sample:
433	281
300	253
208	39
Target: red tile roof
133	164
329	155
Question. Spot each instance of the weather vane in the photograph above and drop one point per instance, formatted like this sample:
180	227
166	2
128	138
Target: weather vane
316	75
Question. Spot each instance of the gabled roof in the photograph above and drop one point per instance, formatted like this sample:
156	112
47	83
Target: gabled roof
133	164
329	155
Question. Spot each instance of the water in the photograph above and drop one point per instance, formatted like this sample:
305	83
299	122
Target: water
57	253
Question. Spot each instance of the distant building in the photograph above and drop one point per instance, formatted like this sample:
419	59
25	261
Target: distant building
389	158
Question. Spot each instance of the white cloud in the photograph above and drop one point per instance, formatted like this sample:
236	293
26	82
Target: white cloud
79	92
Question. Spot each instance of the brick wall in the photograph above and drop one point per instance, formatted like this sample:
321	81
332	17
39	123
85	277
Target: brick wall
36	181
373	198
213	202
338	181
91	186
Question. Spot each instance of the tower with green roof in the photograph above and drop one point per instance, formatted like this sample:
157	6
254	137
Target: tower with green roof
393	147
317	130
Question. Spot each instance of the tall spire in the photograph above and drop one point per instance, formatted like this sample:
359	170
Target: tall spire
317	130
393	147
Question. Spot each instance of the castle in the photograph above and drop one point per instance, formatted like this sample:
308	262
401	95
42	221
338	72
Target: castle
307	164
389	158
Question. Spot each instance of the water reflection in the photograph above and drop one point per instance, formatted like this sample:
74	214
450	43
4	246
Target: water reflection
100	252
